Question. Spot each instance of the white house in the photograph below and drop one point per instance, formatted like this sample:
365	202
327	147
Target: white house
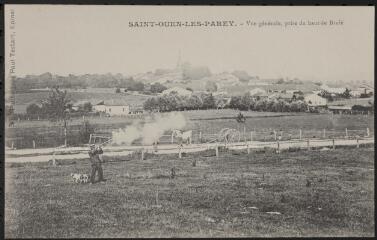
315	100
115	107
258	92
332	90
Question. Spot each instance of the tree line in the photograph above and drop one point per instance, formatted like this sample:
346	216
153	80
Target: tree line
197	101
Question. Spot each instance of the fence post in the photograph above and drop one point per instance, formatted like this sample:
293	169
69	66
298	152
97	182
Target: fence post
90	138
308	143
38	117
217	151
324	133
357	143
275	134
248	149
244	133
172	137
142	154
333	144
346	133
367	132
33	144
12	144
278	146
300	134
251	136
179	152
200	136
53	158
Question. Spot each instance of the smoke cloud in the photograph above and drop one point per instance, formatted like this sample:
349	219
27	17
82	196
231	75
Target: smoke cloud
151	131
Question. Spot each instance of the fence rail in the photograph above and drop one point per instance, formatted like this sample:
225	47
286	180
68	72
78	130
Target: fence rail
29	155
57	138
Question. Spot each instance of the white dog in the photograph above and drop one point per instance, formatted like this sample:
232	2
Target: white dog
80	178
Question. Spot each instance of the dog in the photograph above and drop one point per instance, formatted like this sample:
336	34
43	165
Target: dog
80	178
84	178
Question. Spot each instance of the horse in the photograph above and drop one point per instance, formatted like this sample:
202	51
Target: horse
183	136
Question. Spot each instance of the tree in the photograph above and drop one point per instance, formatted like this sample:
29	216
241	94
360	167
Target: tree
347	94
158	88
136	86
85	130
33	109
55	107
194	102
211	86
86	107
150	104
235	102
209	101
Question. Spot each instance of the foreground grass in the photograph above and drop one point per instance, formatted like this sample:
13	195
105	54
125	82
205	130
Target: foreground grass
316	193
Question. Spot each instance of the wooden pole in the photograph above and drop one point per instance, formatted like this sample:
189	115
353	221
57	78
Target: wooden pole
346	133
172	137
90	138
142	154
180	152
367	132
248	149
200	136
333	144
244	132
324	133
65	136
251	136
217	151
275	134
12	144
33	144
357	143
300	134
308	143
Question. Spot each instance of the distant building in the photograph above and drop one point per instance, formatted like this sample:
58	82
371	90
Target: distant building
283	96
314	100
115	107
332	90
258	92
340	109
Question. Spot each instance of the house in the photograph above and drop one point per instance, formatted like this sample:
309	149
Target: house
332	90
340	109
114	107
314	100
258	92
178	90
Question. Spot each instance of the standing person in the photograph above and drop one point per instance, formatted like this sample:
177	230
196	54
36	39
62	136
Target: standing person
95	160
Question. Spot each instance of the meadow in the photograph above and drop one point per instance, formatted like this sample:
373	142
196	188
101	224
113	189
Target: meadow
261	194
94	96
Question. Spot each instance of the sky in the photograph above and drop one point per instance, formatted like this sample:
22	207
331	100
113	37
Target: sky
77	39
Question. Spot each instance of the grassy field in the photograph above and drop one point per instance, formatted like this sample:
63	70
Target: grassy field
316	193
91	95
209	122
